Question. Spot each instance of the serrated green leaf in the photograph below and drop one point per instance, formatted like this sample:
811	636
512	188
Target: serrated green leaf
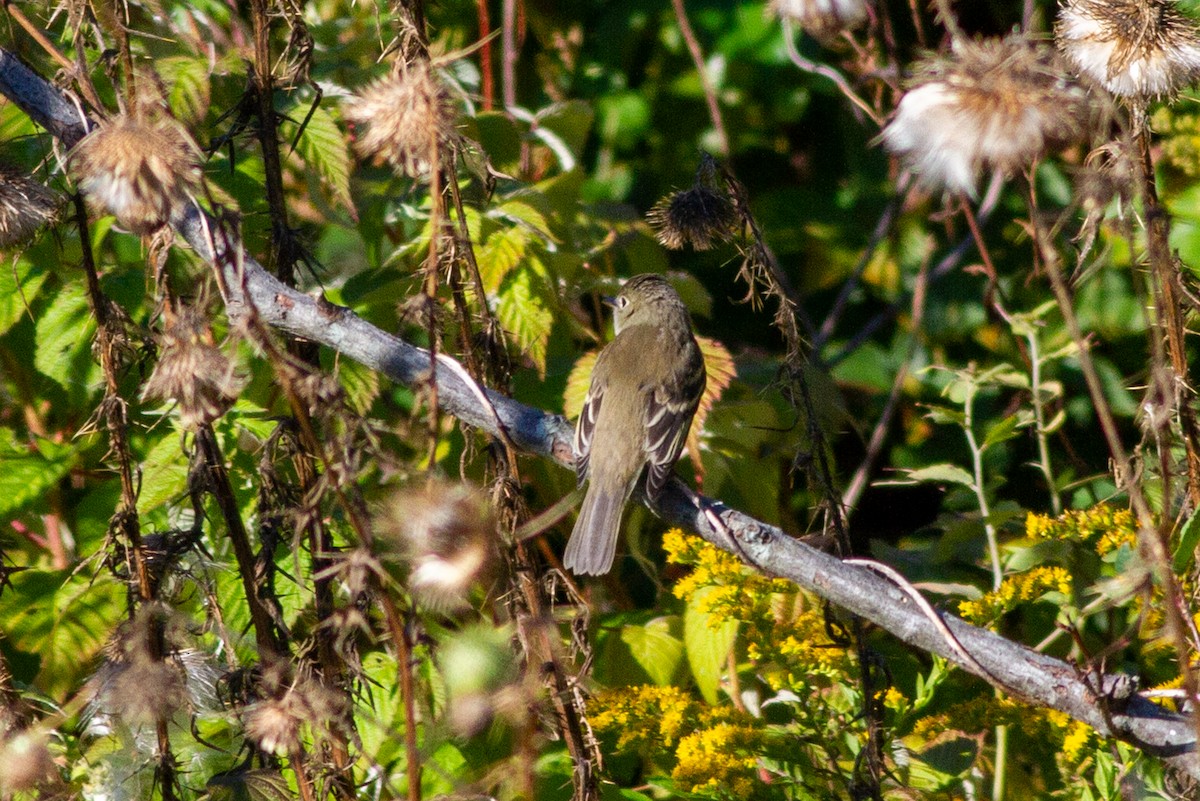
502	253
190	89
64	337
708	641
361	384
63	618
525	313
523	211
577	384
656	650
26	472
20	285
1002	430
323	147
164	474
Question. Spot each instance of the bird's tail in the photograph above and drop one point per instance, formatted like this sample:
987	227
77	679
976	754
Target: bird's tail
594	538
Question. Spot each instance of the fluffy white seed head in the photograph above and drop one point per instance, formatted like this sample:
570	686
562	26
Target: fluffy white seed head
997	104
1136	49
822	18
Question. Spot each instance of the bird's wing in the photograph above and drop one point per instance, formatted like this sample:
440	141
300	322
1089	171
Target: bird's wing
670	407
584	428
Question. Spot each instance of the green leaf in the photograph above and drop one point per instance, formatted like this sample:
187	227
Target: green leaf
708	641
190	89
502	253
361	384
656	650
249	785
27	472
62	617
1185	549
941	474
525	313
164	474
20	284
64	337
323	148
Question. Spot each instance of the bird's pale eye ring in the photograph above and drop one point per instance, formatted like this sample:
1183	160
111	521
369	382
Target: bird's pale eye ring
622	302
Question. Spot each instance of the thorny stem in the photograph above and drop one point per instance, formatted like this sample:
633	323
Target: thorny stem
263	86
1169	305
706	84
125	520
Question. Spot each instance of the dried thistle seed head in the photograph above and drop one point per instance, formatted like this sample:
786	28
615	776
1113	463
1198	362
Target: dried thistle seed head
273	726
447	534
193	371
275	723
134	684
821	18
25	762
700	217
996	104
1137	49
25	206
403	119
138	172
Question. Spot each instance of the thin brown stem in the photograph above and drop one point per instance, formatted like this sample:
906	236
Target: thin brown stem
706	84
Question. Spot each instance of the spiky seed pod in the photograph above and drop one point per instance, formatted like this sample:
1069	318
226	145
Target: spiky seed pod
448	536
25	206
402	118
193	371
138	172
1136	49
821	18
701	217
996	104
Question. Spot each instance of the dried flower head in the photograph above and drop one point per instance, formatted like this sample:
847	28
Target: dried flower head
192	370
447	534
821	18
25	762
275	724
1138	49
996	104
137	171
25	206
403	118
700	217
141	681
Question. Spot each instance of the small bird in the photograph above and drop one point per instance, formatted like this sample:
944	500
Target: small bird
645	388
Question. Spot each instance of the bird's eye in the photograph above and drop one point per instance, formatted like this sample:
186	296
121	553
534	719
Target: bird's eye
622	302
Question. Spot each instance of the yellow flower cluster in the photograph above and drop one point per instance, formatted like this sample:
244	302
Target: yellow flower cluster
713	567
721	758
1180	140
1078	737
985	712
646	718
1028	586
1102	527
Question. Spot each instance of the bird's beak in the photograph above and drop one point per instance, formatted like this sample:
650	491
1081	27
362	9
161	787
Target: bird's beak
610	300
